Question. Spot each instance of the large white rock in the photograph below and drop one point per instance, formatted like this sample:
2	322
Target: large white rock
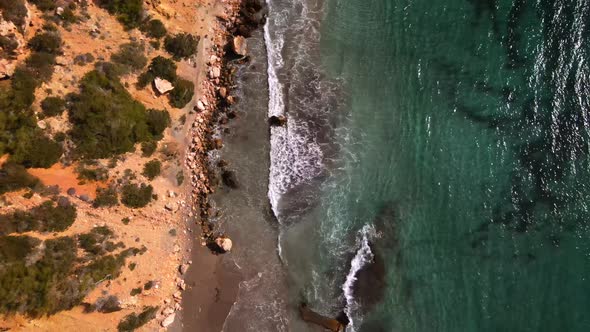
168	320
224	243
240	45
163	86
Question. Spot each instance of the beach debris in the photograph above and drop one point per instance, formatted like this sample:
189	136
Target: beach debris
162	86
277	121
240	46
224	243
168	320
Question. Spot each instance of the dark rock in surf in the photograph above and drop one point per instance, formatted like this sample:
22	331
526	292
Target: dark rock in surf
229	179
331	324
277	121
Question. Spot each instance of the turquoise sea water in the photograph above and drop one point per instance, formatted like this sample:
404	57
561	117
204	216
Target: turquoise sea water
463	139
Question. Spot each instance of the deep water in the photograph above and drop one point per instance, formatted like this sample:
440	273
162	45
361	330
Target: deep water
453	137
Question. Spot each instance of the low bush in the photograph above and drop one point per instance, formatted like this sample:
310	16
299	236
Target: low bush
53	106
157	121
182	94
47	42
182	45
154	29
44	5
129	12
134	321
159	67
40	66
96	240
36	150
8	46
47	217
14	177
106	197
131	56
148	148
92	174
14	11
136	196
152	168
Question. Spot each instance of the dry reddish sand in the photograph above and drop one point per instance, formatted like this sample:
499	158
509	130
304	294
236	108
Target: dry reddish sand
149	226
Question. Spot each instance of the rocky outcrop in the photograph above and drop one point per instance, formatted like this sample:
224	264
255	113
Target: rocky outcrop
163	86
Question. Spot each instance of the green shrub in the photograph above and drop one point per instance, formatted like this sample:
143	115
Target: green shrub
47	42
8	45
131	56
152	168
126	221
53	106
133	321
47	217
14	11
135	291
106	197
94	243
154	29
14	177
182	94
40	65
44	5
128	12
182	45
148	148
136	196
159	67
36	150
111	70
105	119
157	121
92	174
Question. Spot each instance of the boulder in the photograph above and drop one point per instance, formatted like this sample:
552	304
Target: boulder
214	72
183	268
162	86
240	46
168	311
200	106
168	320
224	243
223	92
277	121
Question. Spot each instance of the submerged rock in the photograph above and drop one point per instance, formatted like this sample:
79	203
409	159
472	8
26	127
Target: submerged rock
224	243
309	315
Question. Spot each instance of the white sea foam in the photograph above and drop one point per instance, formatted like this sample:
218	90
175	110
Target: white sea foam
363	256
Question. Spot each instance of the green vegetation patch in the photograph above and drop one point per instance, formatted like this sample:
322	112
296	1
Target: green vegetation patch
134	321
53	106
47	217
14	11
154	29
106	120
131	56
165	68
136	196
152	168
14	177
182	45
129	12
106	197
182	94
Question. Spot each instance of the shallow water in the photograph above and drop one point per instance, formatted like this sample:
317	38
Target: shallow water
459	131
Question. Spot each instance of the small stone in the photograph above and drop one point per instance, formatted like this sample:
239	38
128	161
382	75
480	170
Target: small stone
59	11
168	311
176	248
200	106
42	124
183	268
71	191
169	207
223	92
240	45
84	198
177	296
224	243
